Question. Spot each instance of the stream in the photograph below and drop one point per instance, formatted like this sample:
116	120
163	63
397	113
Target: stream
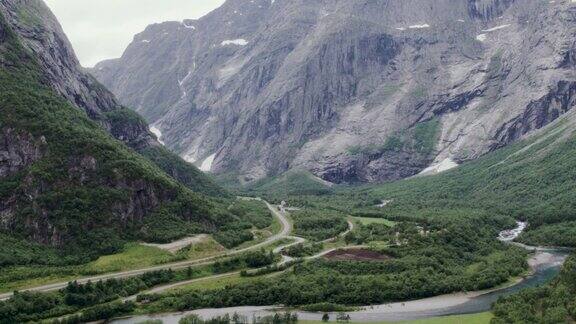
545	264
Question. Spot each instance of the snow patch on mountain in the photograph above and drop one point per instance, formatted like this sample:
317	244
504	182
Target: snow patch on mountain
158	133
496	28
207	164
440	167
419	26
239	42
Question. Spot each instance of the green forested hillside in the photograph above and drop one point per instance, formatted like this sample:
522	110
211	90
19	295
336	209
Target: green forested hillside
73	186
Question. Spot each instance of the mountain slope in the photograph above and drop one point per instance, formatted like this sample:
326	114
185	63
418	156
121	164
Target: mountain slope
41	34
65	182
349	90
532	180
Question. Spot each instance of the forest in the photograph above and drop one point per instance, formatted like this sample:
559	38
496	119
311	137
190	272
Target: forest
463	257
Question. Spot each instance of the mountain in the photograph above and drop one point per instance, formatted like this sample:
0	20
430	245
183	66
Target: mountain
352	91
79	172
41	34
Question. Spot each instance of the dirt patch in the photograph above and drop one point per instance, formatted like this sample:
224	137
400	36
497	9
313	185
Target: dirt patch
180	244
356	255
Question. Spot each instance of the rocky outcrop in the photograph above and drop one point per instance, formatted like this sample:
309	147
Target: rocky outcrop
260	87
560	100
488	9
41	33
18	150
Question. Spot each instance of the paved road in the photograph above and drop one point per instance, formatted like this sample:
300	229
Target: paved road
285	259
286	230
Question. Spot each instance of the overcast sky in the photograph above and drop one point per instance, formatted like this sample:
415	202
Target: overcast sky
102	29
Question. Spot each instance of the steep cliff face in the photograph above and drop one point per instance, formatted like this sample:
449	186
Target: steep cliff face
68	178
350	90
40	33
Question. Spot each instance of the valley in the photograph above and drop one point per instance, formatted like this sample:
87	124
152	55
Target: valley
296	161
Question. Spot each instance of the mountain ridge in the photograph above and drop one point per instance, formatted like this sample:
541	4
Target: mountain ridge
306	83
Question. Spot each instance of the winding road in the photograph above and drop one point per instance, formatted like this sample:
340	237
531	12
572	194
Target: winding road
545	264
285	259
284	233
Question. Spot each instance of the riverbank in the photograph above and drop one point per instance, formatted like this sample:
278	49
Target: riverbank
544	265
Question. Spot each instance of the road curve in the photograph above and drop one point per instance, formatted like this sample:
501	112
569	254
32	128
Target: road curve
286	229
285	259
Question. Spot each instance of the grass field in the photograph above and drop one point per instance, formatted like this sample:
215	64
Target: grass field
134	256
211	284
481	318
204	249
370	220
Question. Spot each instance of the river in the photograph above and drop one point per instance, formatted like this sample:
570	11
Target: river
545	264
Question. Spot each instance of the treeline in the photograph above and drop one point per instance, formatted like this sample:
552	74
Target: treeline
252	259
318	225
254	212
302	250
35	306
278	318
249	214
561	234
553	303
370	233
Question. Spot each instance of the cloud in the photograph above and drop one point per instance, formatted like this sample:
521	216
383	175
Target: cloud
102	29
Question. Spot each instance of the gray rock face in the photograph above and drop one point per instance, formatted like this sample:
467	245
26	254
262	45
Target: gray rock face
42	35
18	151
353	91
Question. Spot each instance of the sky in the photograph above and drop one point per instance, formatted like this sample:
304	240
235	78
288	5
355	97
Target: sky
102	29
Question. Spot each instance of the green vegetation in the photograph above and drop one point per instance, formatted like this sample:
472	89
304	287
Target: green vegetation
481	318
422	139
318	225
254	212
184	172
327	308
206	247
372	220
559	234
83	179
133	256
302	250
285	318
554	303
233	237
33	306
531	180
464	256
293	182
373	232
